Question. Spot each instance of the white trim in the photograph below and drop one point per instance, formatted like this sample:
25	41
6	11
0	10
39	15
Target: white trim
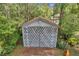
23	36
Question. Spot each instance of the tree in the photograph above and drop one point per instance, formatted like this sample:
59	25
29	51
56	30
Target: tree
69	22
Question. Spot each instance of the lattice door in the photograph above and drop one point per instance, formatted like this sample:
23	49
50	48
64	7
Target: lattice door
47	37
41	37
33	36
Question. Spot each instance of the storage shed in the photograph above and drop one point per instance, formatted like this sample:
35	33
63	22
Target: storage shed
39	32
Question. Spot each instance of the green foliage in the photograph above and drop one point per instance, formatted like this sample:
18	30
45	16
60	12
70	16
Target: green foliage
36	10
69	21
62	44
73	41
8	35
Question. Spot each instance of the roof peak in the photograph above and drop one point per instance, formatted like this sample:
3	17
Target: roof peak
40	19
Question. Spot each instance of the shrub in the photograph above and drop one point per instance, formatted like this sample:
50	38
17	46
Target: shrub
62	44
73	41
8	35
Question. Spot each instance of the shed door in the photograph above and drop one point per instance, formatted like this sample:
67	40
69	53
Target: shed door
41	37
47	37
33	36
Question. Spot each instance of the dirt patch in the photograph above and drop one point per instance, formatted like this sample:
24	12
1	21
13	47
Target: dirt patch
37	52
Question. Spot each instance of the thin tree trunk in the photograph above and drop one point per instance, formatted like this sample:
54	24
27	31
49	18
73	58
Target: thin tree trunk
60	20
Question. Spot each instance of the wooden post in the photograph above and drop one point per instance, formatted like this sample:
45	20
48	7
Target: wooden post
66	53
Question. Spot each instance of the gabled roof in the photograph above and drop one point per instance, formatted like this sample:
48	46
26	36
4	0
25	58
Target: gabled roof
41	19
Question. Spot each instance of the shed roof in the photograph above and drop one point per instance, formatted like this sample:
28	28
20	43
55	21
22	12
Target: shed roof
40	19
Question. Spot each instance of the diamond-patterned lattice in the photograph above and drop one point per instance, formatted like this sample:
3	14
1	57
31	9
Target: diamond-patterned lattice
41	37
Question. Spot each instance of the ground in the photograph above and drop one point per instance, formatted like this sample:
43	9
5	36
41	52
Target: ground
36	52
21	51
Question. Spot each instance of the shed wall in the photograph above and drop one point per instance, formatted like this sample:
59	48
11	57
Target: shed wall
39	34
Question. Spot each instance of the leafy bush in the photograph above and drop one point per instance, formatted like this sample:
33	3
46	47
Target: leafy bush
62	44
8	35
73	41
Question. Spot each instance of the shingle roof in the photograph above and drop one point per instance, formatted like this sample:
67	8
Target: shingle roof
41	19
